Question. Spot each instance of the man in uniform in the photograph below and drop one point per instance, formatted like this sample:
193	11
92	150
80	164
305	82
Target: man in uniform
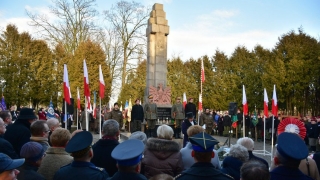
207	119
150	114
116	114
81	168
128	156
137	116
291	149
177	113
202	145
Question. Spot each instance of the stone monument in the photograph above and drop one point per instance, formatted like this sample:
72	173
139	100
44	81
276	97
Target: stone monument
156	33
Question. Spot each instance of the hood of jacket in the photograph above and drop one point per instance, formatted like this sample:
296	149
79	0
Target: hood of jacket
162	148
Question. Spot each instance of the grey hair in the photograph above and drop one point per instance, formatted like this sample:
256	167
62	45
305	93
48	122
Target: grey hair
52	122
165	132
246	142
140	136
240	152
110	127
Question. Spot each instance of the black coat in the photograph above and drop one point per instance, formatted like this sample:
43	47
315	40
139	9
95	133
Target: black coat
190	107
137	113
202	171
253	157
6	148
312	131
18	134
131	176
102	155
227	121
185	125
28	172
285	173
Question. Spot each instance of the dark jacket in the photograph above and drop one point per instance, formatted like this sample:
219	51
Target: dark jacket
185	125
316	158
190	107
18	134
131	176
80	170
102	155
28	172
312	130
231	166
286	173
202	171
253	157
137	113
227	121
161	156
6	148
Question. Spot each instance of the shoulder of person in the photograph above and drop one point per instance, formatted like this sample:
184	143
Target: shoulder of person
97	168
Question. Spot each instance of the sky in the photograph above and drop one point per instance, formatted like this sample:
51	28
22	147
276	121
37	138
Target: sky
200	27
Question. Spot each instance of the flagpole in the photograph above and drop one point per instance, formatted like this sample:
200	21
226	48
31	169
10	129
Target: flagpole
264	135
86	114
100	117
272	132
77	118
243	126
65	115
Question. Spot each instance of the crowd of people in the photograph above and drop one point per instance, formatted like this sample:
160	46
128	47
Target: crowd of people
33	146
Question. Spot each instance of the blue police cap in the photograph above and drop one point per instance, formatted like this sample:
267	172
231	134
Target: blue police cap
79	141
290	145
6	163
189	115
128	153
203	142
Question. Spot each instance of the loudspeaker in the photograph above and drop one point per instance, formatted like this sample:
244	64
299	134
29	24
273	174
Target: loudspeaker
232	108
70	107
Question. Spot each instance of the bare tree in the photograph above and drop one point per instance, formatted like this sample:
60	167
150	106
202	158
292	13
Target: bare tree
129	19
74	24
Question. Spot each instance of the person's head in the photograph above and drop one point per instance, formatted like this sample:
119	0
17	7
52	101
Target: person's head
313	120
202	145
150	98
110	128
193	130
80	146
128	155
247	143
137	101
8	167
207	110
165	132
39	128
240	152
291	149
33	152
53	124
60	137
27	115
140	136
6	117
178	99
162	177
254	170
191	100
116	106
2	127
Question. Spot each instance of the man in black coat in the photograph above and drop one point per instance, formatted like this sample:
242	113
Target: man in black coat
102	149
191	107
137	116
185	125
5	146
19	132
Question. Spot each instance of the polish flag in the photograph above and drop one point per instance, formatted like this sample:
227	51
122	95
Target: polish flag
202	72
78	100
184	100
101	82
66	86
265	103
244	102
274	102
86	84
200	102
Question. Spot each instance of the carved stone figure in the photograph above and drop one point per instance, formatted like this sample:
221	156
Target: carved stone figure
161	96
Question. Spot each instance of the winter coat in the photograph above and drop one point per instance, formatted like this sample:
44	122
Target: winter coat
231	166
185	125
28	172
190	107
188	160
18	134
287	173
102	155
161	156
137	113
56	158
116	115
6	148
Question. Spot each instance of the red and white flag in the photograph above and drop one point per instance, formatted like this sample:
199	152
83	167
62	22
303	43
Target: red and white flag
265	103
274	102
101	82
202	72
244	102
184	100
200	102
86	84
78	99
66	86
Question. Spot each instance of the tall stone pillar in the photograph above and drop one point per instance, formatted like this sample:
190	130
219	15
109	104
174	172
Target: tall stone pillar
156	33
